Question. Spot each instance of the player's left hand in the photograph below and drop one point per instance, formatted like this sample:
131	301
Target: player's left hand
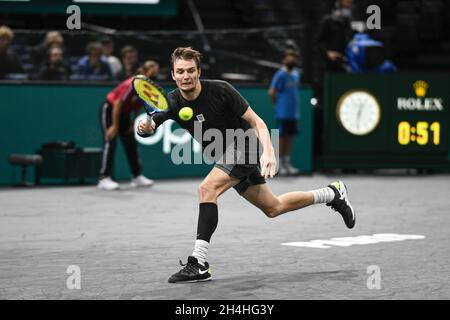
268	164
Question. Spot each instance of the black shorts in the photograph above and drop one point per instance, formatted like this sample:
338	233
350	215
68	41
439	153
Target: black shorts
248	174
287	127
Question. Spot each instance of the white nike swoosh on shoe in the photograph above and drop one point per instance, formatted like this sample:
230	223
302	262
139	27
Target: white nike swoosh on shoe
202	272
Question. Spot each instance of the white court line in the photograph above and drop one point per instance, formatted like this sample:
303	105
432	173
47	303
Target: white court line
358	240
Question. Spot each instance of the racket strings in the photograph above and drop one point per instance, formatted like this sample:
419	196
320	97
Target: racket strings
151	93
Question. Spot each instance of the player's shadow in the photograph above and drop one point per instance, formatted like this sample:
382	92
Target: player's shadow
246	284
301	277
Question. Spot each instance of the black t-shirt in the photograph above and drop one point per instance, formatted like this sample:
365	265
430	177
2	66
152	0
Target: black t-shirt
219	106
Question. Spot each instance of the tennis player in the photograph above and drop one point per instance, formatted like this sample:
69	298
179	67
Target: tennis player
218	105
117	115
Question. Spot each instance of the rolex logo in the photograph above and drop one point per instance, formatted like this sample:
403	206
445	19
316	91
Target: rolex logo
420	103
420	87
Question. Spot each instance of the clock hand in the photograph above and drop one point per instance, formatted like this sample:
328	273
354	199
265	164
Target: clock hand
358	114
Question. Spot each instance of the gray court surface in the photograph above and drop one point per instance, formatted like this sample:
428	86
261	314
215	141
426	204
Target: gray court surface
127	243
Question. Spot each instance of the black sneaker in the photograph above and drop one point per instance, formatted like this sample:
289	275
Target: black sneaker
341	204
192	272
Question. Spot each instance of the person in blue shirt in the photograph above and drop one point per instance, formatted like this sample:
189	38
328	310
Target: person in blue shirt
284	91
93	66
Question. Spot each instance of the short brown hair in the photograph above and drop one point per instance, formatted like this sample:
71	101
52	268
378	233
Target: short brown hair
186	53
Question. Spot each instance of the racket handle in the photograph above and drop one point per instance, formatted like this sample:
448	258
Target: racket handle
149	120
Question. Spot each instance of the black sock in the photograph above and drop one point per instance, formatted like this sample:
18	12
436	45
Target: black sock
208	218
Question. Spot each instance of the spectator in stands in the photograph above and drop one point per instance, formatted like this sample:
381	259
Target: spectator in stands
151	67
54	69
284	91
40	52
108	53
9	63
334	34
130	62
93	66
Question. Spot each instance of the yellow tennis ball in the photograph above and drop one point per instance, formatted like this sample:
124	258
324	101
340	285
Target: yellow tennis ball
186	113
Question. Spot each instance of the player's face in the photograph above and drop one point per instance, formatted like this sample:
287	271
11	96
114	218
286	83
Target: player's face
186	74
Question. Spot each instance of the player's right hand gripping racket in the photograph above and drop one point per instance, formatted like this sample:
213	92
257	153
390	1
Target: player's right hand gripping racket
153	96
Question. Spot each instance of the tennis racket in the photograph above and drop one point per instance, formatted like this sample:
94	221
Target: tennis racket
153	96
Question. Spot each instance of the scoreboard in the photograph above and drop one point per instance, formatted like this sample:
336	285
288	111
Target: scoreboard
386	121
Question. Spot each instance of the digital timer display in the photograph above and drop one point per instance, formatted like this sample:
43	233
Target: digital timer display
422	133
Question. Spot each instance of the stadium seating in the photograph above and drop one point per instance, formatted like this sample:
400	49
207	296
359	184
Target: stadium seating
415	35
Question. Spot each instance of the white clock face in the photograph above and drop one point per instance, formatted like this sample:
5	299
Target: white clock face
358	112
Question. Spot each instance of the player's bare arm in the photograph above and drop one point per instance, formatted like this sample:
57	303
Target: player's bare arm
268	160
